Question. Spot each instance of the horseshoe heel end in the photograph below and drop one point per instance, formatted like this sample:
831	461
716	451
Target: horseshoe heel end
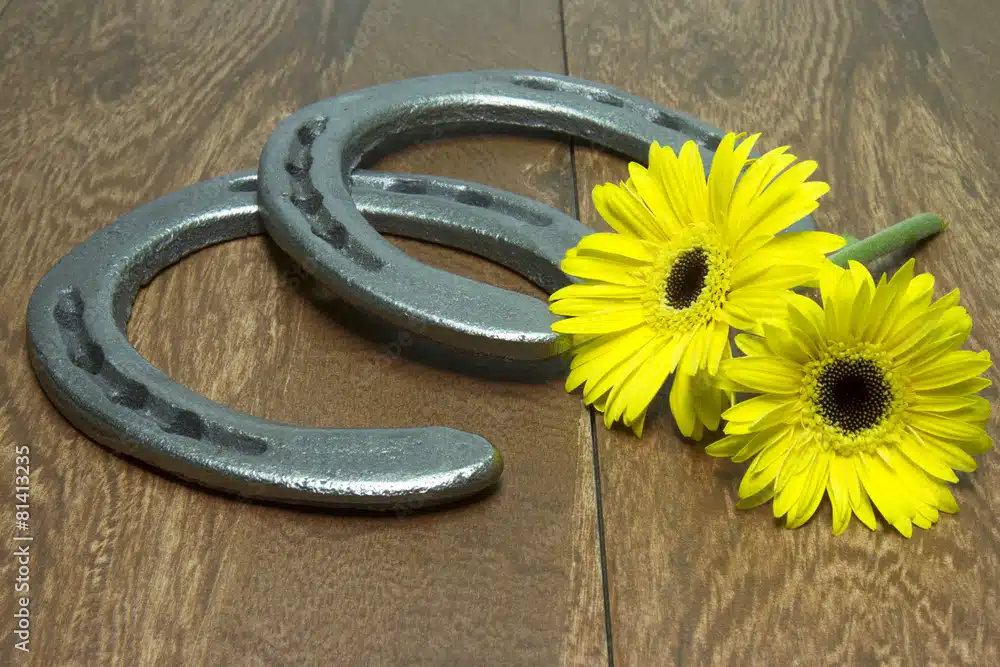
388	469
209	445
361	469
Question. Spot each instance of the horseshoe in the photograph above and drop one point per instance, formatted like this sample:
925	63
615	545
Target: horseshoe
84	362
307	206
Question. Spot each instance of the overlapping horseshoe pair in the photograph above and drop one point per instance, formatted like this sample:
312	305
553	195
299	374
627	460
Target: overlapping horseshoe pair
327	215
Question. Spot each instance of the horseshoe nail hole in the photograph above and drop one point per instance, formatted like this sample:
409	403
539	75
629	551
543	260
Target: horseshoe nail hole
88	356
247	445
309	204
535	83
244	184
535	218
185	423
407	186
69	310
362	256
129	394
240	442
711	142
299	160
605	97
474	198
667	120
333	233
311	129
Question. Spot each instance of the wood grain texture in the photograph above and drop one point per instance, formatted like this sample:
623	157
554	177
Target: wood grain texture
894	100
110	104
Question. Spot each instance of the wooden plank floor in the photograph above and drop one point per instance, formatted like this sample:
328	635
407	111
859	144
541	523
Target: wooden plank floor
892	100
122	102
112	103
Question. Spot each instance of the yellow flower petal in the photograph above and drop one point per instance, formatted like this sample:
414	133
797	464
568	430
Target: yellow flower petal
692	171
665	168
760	305
797	349
626	213
946	451
756	500
887	303
598	386
858	314
652	193
928	489
913	308
774	276
975	406
738	318
597	291
837	489
860	503
802	458
752	486
755	346
760	441
861	276
882	494
786	200
699	431
753	181
764	374
602	270
972	386
628	248
726	167
806	318
691	359
917	451
797	244
603	355
838	299
788	495
718	344
811	496
681	405
949	369
728	446
751	410
607	321
597	346
638	424
708	401
650	378
927	347
578	307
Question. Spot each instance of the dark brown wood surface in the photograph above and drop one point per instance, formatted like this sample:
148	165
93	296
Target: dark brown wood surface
894	100
109	104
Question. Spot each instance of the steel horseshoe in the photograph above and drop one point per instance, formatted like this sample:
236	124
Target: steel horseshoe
307	206
76	329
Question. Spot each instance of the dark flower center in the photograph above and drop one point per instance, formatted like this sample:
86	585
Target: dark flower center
687	278
853	394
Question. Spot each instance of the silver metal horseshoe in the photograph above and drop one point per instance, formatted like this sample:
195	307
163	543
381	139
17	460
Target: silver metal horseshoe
79	350
305	194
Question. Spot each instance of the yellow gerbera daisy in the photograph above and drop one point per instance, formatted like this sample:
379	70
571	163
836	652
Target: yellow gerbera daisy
691	258
866	397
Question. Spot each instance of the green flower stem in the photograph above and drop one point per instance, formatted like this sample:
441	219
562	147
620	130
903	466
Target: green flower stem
903	234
